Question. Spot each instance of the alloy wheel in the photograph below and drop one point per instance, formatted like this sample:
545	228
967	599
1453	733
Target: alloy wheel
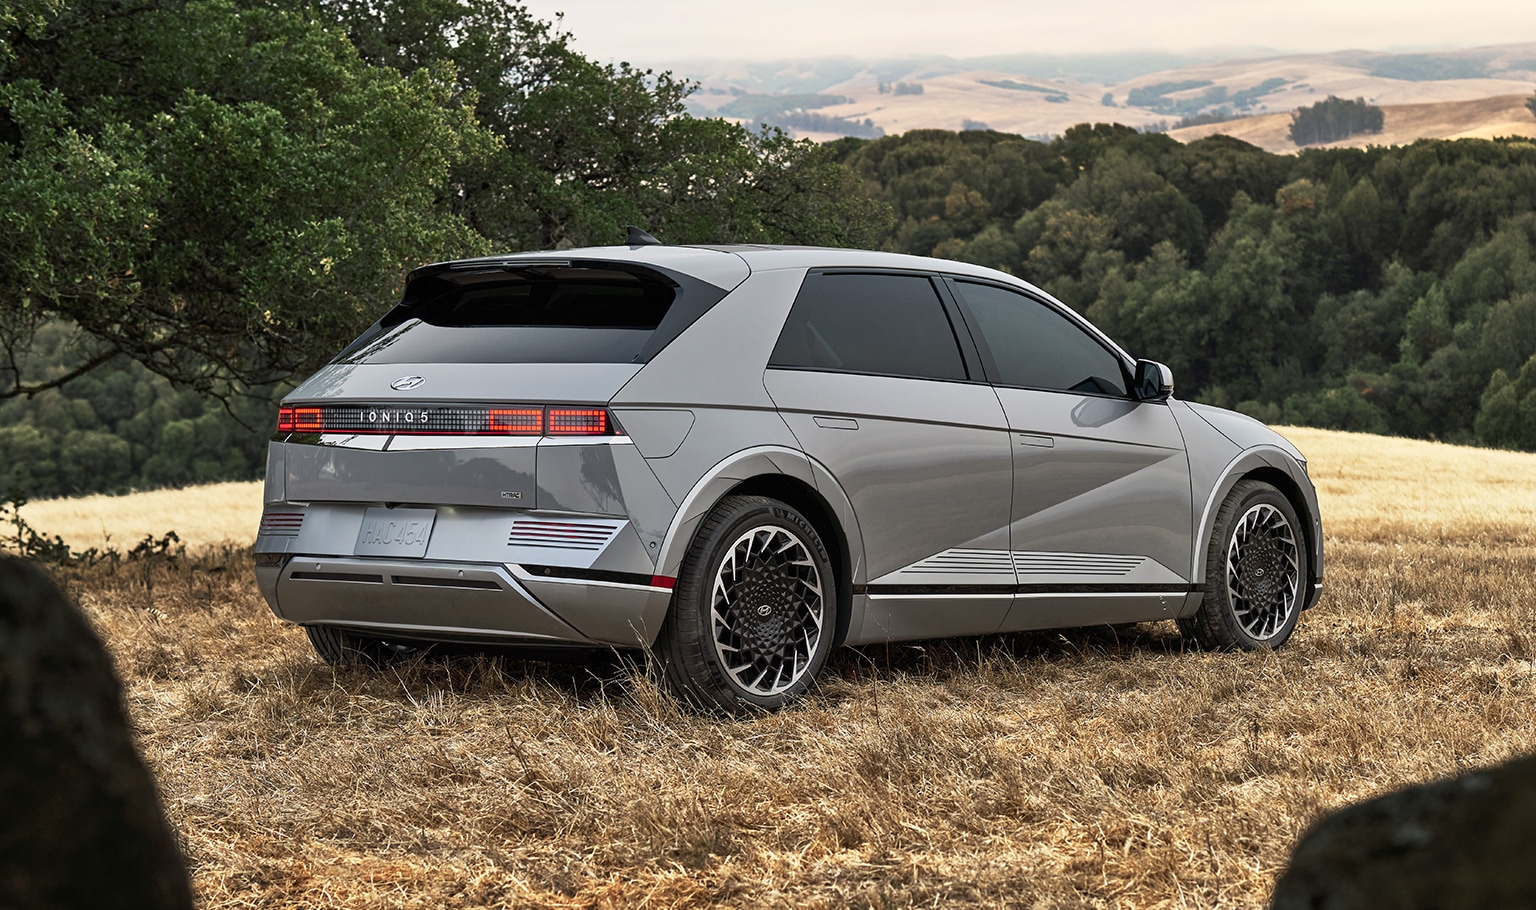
1263	573
767	610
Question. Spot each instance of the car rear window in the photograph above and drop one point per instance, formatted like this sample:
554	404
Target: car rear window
536	315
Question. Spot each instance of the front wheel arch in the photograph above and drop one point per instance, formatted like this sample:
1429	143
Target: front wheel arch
1265	465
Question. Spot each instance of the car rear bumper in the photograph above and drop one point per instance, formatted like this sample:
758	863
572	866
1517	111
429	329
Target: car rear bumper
485	575
450	601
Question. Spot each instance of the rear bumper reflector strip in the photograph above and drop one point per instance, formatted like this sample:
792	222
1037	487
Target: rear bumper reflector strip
428	582
358	577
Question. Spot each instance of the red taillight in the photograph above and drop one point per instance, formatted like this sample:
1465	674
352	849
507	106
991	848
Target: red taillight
515	421
308	420
578	422
445	420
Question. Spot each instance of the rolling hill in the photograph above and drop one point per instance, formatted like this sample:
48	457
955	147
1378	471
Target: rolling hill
1475	92
1481	118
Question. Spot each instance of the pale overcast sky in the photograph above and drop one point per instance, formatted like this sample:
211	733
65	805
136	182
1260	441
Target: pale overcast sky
644	31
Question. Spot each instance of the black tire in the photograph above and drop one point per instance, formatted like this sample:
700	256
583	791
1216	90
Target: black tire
341	648
1255	573
754	612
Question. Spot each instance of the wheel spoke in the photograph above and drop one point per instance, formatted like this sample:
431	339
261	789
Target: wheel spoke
1263	571
767	611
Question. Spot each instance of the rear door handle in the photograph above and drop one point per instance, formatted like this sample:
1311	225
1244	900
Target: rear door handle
836	423
1030	439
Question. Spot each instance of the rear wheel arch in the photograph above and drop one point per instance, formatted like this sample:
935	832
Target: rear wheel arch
805	485
804	498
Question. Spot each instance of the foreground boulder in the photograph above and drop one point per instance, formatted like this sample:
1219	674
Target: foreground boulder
1467	842
80	819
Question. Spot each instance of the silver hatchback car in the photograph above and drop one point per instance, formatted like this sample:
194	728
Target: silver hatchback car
741	457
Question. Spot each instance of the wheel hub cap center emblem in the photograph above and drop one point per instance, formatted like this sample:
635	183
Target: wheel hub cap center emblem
763	610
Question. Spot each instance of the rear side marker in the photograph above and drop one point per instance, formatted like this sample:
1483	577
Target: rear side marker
567	573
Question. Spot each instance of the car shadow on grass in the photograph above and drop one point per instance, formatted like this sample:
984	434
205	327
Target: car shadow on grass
949	657
585	679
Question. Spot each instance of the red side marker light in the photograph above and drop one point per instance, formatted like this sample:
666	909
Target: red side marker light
663	581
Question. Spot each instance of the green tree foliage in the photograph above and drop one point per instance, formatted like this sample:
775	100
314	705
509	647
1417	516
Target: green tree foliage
586	148
1333	119
120	428
221	193
1530	105
1375	290
227	192
1507	416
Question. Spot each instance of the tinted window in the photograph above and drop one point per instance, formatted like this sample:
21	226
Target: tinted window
545	315
889	324
1033	346
565	298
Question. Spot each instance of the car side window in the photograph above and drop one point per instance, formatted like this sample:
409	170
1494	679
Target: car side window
894	325
1033	346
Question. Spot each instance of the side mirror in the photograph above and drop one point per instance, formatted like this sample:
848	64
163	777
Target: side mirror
1154	381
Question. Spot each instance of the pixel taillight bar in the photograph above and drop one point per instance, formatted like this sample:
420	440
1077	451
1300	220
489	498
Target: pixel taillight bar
446	420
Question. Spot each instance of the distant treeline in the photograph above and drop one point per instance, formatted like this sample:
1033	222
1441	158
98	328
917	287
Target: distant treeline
814	122
757	107
1333	119
1213	105
1385	290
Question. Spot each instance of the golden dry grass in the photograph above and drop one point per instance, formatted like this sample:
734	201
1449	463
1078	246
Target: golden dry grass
1383	489
1091	768
202	516
1472	118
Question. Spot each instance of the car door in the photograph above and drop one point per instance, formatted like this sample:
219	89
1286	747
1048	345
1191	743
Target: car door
870	374
1100	528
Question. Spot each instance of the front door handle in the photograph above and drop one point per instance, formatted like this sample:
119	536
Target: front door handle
1031	439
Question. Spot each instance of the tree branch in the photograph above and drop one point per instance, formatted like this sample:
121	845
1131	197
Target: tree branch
30	390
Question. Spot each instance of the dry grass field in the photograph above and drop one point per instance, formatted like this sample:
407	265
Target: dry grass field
1476	118
217	513
1090	768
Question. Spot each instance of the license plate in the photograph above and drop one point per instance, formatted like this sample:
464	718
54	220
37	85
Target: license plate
395	532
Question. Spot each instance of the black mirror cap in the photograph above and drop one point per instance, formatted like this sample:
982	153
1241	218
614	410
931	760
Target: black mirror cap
1154	381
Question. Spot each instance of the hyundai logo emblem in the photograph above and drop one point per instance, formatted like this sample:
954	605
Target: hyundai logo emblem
406	383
